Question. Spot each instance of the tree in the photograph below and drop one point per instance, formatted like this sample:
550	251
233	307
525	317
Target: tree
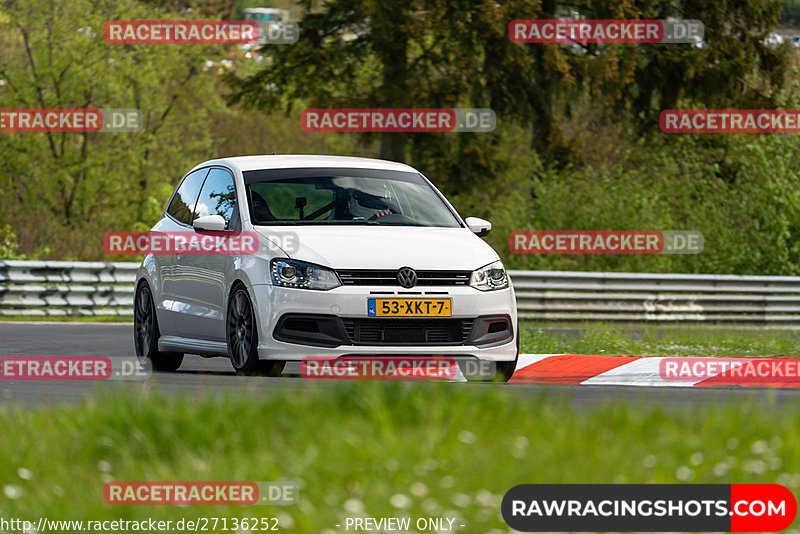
429	53
64	190
393	53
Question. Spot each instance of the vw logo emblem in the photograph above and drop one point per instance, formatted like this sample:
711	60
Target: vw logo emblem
406	277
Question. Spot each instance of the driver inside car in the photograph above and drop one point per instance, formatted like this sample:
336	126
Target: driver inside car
363	205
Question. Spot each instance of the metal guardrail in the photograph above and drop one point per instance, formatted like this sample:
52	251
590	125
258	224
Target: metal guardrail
645	298
37	288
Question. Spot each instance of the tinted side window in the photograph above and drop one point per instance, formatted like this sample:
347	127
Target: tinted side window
218	196
183	202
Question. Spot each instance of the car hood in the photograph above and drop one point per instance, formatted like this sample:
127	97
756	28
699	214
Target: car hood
382	247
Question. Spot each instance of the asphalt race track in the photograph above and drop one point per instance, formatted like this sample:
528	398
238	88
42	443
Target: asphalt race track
200	375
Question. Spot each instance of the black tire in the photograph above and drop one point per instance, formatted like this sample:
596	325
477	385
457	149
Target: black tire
505	370
242	336
146	334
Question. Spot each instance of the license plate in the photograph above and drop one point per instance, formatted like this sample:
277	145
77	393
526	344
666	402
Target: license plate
409	308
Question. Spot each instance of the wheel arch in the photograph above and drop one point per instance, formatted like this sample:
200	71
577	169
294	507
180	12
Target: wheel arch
236	284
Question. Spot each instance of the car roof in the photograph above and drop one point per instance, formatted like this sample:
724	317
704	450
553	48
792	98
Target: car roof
295	161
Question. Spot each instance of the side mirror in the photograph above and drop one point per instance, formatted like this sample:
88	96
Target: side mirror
479	227
212	223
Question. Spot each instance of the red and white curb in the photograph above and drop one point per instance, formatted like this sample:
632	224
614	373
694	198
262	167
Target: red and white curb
590	370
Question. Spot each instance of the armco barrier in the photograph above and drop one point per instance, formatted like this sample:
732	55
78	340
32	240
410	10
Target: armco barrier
66	288
95	288
643	298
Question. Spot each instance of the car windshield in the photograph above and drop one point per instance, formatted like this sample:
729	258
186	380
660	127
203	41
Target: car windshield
344	196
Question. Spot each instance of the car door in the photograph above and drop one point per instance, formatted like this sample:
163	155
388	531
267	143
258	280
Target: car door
178	218
201	306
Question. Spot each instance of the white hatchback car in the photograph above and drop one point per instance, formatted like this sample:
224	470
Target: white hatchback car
356	257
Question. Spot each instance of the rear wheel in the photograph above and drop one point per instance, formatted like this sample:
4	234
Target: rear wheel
243	338
146	334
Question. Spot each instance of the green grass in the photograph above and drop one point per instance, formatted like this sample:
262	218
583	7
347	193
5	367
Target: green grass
658	341
446	449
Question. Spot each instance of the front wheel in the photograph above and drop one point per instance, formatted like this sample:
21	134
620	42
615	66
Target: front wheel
243	337
146	334
505	370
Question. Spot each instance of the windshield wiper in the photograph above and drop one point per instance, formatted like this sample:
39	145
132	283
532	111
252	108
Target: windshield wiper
400	223
324	221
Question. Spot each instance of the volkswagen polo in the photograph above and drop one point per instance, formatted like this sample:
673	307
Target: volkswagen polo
355	257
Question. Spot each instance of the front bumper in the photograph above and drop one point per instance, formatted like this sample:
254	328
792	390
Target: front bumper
348	305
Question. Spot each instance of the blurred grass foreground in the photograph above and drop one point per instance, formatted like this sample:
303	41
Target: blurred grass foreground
377	449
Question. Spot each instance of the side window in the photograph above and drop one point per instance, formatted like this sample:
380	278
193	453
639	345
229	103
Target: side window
218	196
182	204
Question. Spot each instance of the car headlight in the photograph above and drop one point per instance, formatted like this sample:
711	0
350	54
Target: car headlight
301	275
489	277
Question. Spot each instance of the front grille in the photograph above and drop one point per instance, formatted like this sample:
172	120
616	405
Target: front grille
384	277
408	331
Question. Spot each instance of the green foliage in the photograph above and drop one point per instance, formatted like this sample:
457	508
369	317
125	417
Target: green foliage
577	144
598	161
790	14
9	249
379	448
65	190
740	191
